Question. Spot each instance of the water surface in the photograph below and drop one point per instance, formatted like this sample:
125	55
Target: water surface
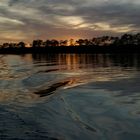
70	97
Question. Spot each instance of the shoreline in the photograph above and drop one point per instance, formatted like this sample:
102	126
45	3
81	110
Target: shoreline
72	49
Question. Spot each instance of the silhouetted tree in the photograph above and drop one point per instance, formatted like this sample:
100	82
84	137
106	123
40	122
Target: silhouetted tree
48	43
37	43
126	39
21	45
54	42
12	45
5	45
80	42
63	42
137	39
116	41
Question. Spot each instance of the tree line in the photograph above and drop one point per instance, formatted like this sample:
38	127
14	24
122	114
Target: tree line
124	40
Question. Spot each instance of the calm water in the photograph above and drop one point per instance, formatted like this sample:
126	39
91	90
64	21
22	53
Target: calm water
70	97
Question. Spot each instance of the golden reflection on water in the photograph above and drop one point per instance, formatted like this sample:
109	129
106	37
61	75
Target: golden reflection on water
5	71
75	61
78	69
86	63
27	57
85	68
89	90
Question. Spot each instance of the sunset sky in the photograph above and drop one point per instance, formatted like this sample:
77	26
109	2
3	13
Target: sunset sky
25	20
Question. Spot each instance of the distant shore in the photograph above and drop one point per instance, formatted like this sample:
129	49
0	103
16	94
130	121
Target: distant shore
127	43
73	49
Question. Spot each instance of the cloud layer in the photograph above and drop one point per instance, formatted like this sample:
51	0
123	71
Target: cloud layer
31	19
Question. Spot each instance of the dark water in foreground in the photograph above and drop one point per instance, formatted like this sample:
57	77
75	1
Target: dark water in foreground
70	97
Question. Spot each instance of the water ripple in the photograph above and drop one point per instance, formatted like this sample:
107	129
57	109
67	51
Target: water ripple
69	96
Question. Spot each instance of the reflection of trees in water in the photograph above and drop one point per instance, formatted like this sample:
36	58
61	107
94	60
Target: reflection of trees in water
75	61
5	70
126	60
48	58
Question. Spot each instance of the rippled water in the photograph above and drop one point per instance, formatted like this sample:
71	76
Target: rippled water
70	97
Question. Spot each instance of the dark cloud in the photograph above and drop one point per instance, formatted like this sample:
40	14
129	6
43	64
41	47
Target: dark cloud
40	18
12	2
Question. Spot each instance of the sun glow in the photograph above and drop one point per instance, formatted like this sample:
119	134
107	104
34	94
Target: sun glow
71	20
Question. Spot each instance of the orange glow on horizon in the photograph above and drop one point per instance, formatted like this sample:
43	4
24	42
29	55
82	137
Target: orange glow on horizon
28	45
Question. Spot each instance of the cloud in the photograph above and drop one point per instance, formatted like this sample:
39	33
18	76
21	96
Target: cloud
39	18
4	20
